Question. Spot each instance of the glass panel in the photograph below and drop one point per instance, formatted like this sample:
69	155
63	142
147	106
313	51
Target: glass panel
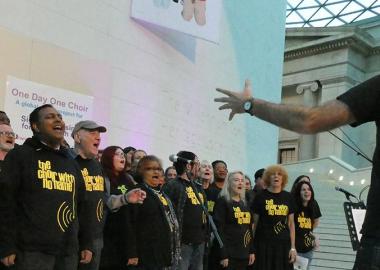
326	10
294	3
293	17
352	7
365	3
336	22
336	8
321	14
348	18
308	3
377	10
366	15
321	23
308	12
336	1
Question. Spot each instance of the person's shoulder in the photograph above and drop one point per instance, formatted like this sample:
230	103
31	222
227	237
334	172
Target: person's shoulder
141	186
221	200
262	193
19	152
221	204
175	183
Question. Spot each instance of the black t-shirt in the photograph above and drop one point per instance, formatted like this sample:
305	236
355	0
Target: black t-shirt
117	229
194	219
95	188
273	210
364	103
234	222
304	218
212	194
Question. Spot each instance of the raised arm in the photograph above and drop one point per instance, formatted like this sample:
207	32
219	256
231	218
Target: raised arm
297	118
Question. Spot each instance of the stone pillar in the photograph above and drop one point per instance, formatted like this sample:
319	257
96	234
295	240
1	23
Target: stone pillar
307	147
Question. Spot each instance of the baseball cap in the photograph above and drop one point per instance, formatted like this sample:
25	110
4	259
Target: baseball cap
89	125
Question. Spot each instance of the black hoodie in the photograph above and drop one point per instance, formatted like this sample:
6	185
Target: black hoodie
41	190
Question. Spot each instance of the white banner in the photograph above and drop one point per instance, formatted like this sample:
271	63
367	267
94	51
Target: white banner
199	18
23	96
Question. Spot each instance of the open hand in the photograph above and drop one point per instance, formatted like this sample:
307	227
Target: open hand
235	100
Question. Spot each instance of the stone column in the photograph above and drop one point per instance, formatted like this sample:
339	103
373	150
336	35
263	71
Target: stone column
307	148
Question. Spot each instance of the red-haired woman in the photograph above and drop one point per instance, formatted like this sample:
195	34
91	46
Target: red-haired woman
117	226
273	219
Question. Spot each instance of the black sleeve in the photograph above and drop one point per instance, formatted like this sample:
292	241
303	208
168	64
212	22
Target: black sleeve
10	181
86	226
220	213
292	204
256	205
172	191
251	244
316	210
363	101
132	224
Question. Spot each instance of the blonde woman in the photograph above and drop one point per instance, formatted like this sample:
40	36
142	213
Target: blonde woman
234	222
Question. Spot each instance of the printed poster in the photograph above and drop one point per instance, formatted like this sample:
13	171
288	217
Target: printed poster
23	96
199	18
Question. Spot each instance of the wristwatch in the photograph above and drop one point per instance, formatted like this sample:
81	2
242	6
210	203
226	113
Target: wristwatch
248	106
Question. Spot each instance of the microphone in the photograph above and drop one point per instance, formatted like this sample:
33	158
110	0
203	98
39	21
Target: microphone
348	194
175	158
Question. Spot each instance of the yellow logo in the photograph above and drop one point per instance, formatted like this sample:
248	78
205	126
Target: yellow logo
276	210
193	198
122	189
247	238
163	200
304	222
93	183
242	217
54	180
210	206
65	216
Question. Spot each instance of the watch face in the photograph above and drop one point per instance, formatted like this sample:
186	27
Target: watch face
247	105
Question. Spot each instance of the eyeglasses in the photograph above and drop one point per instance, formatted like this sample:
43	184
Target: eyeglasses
8	134
153	169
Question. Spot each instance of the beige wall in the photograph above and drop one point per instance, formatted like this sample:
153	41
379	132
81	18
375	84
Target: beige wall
153	87
38	61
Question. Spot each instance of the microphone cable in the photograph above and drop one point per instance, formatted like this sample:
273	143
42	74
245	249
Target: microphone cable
357	151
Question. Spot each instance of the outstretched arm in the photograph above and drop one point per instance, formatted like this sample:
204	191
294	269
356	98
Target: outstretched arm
297	118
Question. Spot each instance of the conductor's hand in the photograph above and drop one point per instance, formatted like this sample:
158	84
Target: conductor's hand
135	196
235	100
9	260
